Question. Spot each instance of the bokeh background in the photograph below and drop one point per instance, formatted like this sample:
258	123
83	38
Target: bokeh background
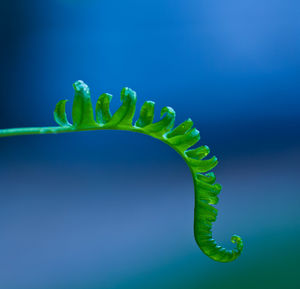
114	209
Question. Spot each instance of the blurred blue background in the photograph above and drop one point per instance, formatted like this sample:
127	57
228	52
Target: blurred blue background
114	209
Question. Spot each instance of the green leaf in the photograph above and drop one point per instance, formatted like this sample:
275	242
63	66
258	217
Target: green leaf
165	124
60	115
125	113
82	112
183	142
198	153
146	114
208	192
180	129
208	178
103	114
210	197
204	211
204	186
202	166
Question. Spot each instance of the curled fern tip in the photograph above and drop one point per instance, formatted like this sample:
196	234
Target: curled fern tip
181	139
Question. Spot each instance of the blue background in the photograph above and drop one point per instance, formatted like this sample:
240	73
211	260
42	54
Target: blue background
114	209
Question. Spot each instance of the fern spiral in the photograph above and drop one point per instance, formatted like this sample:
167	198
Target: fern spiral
180	138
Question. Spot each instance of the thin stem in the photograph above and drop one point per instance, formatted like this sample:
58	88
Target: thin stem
34	130
57	129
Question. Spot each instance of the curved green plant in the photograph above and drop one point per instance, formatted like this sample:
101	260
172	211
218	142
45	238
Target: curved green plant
180	138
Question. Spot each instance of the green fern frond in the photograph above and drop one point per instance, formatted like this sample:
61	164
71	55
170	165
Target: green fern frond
181	139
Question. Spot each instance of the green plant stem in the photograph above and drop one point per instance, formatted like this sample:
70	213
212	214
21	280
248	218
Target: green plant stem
10	132
33	130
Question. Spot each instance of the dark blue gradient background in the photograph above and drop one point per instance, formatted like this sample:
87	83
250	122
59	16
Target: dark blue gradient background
114	209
